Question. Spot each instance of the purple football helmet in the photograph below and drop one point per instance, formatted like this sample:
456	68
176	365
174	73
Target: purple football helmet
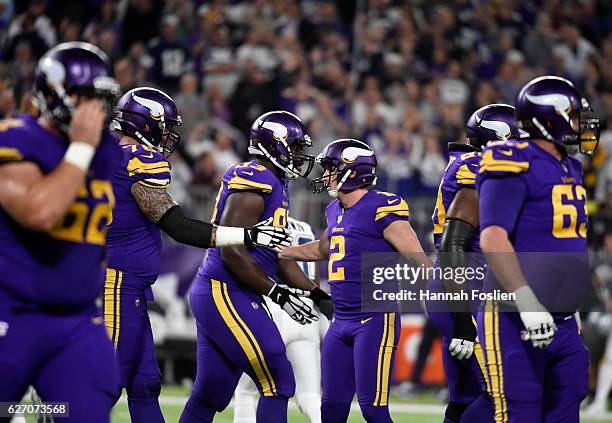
281	138
491	123
149	116
353	163
551	108
72	68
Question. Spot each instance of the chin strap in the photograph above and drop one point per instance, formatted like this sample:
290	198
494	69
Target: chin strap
260	150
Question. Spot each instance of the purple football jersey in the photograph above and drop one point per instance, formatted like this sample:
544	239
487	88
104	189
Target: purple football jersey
352	232
541	203
548	211
63	267
460	173
254	177
134	241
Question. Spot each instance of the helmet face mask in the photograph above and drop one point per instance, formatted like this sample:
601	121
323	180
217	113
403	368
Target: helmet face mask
331	172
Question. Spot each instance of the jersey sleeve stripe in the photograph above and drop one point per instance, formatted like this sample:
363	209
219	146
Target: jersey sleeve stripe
136	166
10	154
400	209
465	176
490	164
155	184
241	183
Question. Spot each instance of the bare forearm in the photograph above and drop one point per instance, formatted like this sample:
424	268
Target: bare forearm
247	270
39	202
305	252
502	259
292	274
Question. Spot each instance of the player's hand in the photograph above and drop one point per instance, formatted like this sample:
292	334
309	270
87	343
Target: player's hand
289	300
265	235
464	336
540	328
323	302
87	122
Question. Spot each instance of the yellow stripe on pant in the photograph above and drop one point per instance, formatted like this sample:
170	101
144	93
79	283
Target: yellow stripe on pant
244	337
481	359
112	304
494	361
385	352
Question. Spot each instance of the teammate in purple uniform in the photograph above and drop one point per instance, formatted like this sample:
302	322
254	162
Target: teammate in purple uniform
359	347
146	118
235	333
455	221
56	199
532	202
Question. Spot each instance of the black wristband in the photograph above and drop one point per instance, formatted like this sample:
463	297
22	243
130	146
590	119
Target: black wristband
184	229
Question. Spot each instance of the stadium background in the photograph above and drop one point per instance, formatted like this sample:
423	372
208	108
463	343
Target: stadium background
401	75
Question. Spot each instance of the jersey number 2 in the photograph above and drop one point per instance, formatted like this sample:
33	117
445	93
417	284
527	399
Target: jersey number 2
338	274
561	210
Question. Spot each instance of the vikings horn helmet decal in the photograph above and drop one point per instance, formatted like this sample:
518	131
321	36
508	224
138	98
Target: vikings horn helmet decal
491	123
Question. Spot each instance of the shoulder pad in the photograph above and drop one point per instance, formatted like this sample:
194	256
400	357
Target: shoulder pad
250	176
148	166
467	167
13	147
388	203
501	157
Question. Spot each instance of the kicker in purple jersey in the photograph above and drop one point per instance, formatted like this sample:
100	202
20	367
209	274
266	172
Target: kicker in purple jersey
134	241
352	232
254	177
460	173
61	268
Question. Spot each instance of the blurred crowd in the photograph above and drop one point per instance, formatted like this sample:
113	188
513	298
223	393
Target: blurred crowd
401	75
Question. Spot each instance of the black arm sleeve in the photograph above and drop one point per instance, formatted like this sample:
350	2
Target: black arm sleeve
454	244
184	229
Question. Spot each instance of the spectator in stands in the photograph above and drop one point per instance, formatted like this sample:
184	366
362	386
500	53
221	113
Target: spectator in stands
170	57
192	105
574	50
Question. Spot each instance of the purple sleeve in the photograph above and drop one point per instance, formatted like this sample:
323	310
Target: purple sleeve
500	201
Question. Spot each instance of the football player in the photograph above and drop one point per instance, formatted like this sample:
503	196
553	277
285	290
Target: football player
303	349
235	333
531	201
359	348
56	199
456	240
146	119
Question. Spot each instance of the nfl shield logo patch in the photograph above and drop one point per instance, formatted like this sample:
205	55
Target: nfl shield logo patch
255	305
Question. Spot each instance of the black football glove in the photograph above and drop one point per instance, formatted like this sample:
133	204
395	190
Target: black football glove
289	300
464	336
265	235
323	302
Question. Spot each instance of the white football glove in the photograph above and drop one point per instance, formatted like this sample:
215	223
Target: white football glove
265	235
289	300
540	328
539	324
461	348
